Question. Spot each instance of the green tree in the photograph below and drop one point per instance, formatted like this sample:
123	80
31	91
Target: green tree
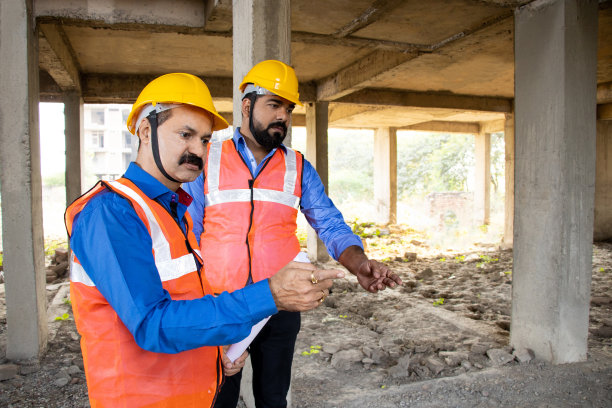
434	162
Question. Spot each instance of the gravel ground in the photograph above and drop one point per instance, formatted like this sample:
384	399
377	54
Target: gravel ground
441	340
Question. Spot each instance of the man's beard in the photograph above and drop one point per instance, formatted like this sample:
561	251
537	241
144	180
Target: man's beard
264	138
191	158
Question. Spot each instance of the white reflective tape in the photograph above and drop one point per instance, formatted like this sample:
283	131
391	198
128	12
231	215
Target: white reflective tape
275	196
175	268
227	196
220	136
213	166
290	171
167	267
244	196
78	274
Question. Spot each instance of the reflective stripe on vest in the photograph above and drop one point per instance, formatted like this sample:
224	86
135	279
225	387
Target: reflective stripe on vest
167	267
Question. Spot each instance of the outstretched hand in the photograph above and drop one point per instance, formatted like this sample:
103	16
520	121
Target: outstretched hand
371	275
300	286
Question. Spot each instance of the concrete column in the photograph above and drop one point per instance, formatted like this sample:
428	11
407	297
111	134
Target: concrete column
509	175
603	182
316	154
73	117
22	227
482	194
555	94
261	31
385	175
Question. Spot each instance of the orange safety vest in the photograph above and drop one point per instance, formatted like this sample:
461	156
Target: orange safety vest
119	373
249	224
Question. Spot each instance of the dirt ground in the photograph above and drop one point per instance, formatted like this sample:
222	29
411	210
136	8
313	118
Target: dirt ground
441	340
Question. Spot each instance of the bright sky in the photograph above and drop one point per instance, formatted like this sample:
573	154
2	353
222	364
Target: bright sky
52	143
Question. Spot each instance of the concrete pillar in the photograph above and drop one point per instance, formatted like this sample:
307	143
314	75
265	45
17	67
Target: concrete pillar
482	193
316	153
22	227
261	30
555	94
385	175
509	175
73	117
603	182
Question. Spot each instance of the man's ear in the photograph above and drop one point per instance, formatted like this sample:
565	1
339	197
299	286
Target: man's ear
246	107
144	131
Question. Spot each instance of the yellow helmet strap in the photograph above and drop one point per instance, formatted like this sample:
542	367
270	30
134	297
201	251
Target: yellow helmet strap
155	146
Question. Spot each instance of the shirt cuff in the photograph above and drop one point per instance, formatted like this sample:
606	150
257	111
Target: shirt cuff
339	245
259	300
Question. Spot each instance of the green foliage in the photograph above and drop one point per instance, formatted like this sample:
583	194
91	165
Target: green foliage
301	236
434	162
442	259
460	259
362	229
67	302
442	162
65	316
313	350
1	258
55	180
438	302
52	244
486	259
602	270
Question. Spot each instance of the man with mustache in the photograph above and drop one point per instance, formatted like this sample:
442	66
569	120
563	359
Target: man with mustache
150	327
245	207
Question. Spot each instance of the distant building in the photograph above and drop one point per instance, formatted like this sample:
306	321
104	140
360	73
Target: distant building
109	146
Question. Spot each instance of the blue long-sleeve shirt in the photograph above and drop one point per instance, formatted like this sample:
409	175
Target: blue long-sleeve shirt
114	247
317	207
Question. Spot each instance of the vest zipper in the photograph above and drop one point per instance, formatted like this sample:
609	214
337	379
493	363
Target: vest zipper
174	213
251	183
250	278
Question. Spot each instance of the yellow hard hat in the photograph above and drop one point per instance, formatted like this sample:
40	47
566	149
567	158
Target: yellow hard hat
176	88
275	76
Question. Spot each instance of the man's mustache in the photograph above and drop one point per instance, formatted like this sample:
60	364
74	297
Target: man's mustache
278	124
191	158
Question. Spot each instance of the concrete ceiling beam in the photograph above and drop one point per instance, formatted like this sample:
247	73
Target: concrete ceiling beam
493	126
109	88
373	13
364	72
189	13
57	57
114	88
360	74
604	92
604	111
445	127
428	100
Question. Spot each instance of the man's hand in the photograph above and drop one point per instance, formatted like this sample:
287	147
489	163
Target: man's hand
371	275
294	288
230	368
